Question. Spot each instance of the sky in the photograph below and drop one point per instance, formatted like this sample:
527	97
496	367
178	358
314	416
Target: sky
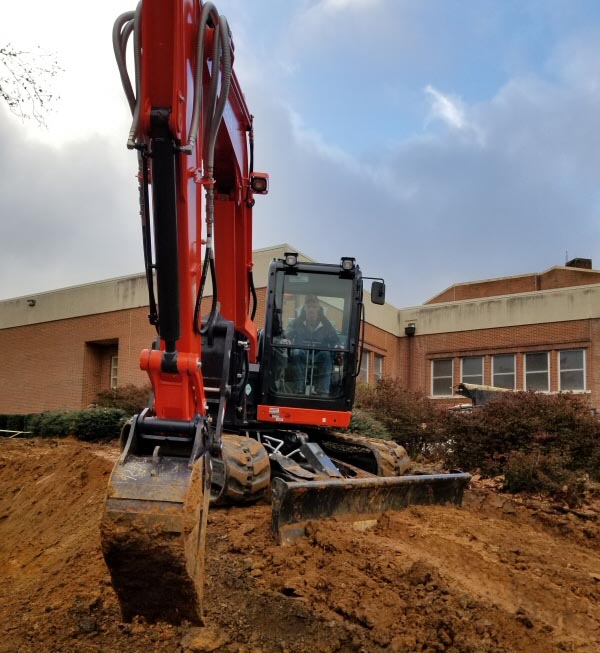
436	141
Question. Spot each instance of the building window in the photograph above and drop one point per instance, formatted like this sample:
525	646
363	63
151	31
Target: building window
377	367
363	376
442	372
114	371
572	369
537	372
472	370
503	371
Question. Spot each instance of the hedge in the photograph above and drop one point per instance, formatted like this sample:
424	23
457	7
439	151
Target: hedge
90	425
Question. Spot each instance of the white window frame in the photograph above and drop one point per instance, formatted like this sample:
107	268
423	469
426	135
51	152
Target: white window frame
367	356
114	371
533	372
451	377
462	373
584	370
377	375
514	372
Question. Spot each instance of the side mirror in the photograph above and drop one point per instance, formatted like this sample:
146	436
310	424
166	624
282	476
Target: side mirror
378	292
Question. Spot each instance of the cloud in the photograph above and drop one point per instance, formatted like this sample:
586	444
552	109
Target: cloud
69	215
333	6
488	184
446	205
446	108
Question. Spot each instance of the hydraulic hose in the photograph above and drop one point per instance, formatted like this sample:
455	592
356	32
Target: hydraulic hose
221	73
125	24
120	35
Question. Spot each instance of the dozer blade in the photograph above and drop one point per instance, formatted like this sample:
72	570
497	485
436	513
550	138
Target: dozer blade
360	500
153	536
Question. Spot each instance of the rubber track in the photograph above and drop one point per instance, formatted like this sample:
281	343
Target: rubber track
391	458
247	470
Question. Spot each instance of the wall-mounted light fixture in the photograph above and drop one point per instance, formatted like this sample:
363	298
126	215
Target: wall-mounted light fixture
31	302
410	329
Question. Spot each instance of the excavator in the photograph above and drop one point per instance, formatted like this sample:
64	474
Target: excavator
235	412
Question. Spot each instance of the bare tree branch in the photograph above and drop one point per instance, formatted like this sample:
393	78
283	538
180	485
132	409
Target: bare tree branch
26	82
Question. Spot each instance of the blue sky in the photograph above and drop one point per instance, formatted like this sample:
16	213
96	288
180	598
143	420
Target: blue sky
437	141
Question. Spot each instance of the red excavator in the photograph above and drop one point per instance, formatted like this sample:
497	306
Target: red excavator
234	411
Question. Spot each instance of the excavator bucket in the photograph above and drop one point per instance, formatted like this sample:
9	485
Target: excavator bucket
153	536
358	500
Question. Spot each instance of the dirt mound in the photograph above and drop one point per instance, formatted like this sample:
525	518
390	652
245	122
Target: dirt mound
496	576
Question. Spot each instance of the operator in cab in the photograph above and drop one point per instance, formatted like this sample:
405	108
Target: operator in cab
311	364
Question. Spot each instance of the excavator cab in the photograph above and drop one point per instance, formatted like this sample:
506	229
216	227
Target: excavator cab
311	342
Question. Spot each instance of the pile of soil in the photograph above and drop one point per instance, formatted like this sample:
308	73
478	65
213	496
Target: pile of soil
495	576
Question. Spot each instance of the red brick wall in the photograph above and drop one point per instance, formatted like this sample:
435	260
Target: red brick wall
553	278
64	364
49	366
416	353
490	288
567	277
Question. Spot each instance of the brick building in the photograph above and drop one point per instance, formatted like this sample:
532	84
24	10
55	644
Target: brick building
61	348
534	331
528	332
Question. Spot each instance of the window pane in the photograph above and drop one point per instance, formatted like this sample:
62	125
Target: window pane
537	381
572	380
364	368
308	301
114	372
572	372
441	371
536	362
472	366
442	387
442	368
504	364
571	360
377	367
504	381
536	372
472	370
503	367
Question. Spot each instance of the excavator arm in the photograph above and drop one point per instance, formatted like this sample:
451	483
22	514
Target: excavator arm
192	132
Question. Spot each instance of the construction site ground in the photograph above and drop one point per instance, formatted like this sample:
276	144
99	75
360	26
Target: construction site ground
499	575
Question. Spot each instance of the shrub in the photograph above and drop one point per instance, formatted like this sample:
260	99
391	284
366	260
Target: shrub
31	422
89	425
130	398
410	418
365	423
99	423
54	424
15	423
545	473
524	421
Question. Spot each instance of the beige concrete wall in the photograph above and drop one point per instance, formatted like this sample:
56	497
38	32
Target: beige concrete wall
540	307
105	296
131	292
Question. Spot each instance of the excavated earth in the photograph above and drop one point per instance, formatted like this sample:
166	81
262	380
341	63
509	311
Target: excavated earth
499	575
